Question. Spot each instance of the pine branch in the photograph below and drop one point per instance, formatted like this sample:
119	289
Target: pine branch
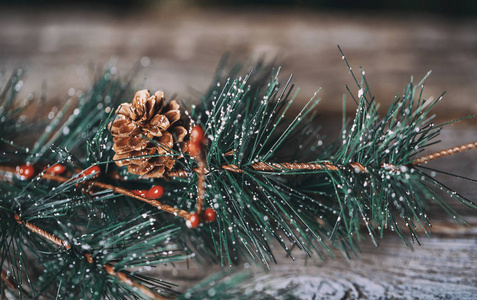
358	177
109	268
312	166
265	177
115	189
74	126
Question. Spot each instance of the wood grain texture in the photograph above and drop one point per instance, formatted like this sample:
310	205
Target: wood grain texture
183	47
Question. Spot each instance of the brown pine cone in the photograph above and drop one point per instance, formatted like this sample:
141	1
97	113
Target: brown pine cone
147	117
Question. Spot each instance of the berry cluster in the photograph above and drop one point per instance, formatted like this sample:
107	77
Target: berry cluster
27	171
196	140
154	192
194	219
195	145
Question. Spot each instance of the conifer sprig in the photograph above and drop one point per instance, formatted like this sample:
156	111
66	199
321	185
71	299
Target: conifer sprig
369	177
82	264
106	243
269	178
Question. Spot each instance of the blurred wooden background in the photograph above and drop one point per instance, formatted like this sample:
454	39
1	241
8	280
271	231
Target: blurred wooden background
180	45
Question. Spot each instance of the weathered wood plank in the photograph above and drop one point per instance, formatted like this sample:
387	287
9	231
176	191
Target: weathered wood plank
442	268
183	48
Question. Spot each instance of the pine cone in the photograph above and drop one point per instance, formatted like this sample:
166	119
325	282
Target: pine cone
147	127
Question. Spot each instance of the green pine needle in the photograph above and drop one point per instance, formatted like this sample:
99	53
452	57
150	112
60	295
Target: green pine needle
374	185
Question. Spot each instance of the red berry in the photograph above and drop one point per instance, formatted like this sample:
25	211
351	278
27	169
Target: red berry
26	171
209	215
92	170
196	134
194	149
56	169
155	192
141	193
193	220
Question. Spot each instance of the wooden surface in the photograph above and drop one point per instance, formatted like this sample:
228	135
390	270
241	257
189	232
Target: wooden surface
182	46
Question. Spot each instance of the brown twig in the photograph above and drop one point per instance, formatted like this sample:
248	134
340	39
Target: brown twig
196	145
443	153
107	267
7	169
200	185
357	166
127	280
167	208
262	166
11	284
42	233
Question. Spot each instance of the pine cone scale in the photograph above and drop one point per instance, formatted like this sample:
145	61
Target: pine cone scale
180	133
141	169
125	144
125	110
167	140
173	116
173	105
160	123
158	171
124	128
121	159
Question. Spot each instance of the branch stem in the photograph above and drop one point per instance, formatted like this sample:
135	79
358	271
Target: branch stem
200	185
442	153
262	166
107	267
46	235
167	208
